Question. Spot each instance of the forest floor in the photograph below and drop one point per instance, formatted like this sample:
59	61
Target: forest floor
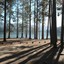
25	51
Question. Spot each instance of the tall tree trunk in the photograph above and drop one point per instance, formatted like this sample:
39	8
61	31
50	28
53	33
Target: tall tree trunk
5	20
17	20
30	22
39	29
62	27
50	3
37	23
22	28
43	27
48	21
22	24
9	25
42	19
54	28
26	29
34	20
47	29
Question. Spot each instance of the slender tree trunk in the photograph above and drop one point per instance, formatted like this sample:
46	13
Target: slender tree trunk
22	24
54	28
30	22
9	25
43	27
22	28
17	20
26	30
62	27
39	30
42	19
48	21
5	20
34	21
47	29
37	23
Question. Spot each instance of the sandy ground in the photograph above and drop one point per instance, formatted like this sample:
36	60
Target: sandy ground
25	51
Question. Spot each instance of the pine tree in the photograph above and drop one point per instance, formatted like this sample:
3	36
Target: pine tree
62	27
5	20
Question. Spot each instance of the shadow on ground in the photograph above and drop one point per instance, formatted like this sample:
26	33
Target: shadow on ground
44	54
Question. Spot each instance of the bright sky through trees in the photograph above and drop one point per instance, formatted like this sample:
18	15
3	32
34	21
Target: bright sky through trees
59	19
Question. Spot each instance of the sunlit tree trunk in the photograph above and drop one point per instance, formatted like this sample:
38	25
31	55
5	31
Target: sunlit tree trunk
62	27
5	20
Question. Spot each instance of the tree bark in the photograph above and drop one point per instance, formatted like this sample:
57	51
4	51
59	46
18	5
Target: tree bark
4	21
34	21
51	8
54	28
26	30
22	23
42	19
48	21
36	37
17	20
30	22
9	25
62	26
